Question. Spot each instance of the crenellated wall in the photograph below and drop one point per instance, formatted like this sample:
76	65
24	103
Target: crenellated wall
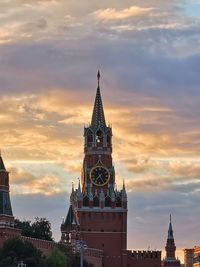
143	258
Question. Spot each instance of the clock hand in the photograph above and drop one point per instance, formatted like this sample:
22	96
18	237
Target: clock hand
101	179
99	176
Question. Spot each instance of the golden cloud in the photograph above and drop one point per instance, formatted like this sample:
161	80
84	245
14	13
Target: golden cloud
50	129
189	168
113	14
26	183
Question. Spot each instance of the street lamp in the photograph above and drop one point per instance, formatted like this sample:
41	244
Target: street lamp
21	264
80	246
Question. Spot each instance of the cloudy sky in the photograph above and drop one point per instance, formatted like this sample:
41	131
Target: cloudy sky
149	56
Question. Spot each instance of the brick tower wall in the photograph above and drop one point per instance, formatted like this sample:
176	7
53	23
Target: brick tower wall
106	231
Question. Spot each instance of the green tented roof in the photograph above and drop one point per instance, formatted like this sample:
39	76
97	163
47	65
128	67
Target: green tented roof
70	216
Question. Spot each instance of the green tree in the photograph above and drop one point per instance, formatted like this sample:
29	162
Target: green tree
56	259
15	250
40	228
25	226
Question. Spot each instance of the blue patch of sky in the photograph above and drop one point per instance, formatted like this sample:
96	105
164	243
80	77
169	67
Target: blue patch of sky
192	9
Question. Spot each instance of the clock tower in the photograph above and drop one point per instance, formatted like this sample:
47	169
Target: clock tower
98	171
98	211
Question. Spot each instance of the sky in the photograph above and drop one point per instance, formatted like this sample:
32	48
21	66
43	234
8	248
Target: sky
148	53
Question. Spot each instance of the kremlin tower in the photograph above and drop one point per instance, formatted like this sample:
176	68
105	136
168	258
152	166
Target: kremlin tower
96	204
97	214
170	259
7	229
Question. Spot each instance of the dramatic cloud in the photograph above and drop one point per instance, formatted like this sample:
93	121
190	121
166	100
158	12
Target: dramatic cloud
149	57
113	14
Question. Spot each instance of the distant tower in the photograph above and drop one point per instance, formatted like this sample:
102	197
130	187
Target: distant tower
98	211
7	229
6	214
170	259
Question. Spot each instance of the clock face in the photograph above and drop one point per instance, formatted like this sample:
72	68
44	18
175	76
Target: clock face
99	175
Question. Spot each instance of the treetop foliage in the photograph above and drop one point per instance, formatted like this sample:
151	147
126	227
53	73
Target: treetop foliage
40	228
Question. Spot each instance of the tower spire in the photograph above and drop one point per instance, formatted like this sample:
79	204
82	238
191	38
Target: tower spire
170	231
98	118
98	77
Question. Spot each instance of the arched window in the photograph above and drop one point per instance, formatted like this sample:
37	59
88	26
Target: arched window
108	139
96	201
86	201
108	201
89	137
99	138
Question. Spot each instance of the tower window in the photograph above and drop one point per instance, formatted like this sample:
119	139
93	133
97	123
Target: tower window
99	137
108	139
89	137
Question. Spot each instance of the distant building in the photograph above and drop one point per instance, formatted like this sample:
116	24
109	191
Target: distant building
196	257
98	210
188	257
170	259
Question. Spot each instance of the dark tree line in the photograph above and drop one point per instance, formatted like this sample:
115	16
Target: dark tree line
40	228
15	250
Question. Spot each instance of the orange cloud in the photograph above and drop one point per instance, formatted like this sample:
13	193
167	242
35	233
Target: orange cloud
113	14
50	129
23	182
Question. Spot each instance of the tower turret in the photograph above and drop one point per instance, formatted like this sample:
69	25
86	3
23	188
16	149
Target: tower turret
7	229
170	259
5	204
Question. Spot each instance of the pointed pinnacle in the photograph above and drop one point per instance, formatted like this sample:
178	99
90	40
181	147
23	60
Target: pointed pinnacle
123	184
98	118
79	185
98	77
